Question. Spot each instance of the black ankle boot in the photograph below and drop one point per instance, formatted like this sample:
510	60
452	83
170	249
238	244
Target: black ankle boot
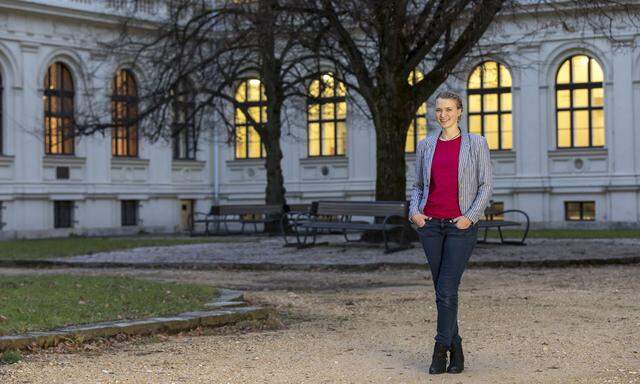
439	359
456	358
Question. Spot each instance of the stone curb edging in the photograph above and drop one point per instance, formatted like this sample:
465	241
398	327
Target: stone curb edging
548	263
227	308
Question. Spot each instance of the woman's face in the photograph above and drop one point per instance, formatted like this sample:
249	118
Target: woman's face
447	113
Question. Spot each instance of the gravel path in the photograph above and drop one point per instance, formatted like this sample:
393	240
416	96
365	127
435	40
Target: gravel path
261	250
570	325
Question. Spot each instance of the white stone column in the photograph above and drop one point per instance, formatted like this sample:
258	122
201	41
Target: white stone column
619	105
529	116
27	126
621	136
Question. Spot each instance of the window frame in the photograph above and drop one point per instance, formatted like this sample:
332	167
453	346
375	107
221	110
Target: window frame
494	207
414	78
571	86
3	206
321	101
185	136
127	124
62	219
498	91
129	213
62	94
581	209
245	106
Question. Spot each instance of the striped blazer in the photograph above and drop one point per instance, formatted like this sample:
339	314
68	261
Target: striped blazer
475	180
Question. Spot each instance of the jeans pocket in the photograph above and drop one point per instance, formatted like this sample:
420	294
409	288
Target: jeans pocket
470	228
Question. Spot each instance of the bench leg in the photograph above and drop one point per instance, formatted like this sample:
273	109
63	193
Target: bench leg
303	240
502	239
402	244
283	232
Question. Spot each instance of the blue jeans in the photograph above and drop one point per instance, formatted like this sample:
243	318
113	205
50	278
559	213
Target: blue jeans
447	249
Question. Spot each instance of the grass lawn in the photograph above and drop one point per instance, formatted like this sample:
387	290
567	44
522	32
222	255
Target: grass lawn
72	246
569	233
30	303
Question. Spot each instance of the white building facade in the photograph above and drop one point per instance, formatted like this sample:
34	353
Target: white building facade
565	147
560	112
54	186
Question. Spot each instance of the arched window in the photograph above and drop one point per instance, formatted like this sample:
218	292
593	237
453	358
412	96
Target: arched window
250	97
326	117
185	138
489	103
58	110
124	109
579	103
418	128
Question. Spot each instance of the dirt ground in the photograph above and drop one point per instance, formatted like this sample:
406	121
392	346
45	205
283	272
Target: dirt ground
574	325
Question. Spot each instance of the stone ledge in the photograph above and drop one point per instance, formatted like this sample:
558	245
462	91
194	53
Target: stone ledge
360	267
232	313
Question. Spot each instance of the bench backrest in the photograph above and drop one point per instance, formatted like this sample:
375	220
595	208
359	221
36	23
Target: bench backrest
298	207
246	209
361	208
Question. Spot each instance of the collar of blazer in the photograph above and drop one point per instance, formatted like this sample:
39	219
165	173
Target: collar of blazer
462	159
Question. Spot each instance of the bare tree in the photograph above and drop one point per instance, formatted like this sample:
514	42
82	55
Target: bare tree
374	46
377	44
213	47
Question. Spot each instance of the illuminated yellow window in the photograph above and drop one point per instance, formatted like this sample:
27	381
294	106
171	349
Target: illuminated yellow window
326	117
489	101
579	103
250	115
418	128
124	112
59	110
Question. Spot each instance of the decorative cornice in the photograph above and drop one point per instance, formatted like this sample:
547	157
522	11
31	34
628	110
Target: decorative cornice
571	152
62	160
130	161
325	160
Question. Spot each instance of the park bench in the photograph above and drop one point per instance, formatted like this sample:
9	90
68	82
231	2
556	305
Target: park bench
494	219
245	214
383	216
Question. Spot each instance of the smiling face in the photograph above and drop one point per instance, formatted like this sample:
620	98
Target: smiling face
447	113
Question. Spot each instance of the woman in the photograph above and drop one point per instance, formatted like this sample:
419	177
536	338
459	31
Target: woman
452	188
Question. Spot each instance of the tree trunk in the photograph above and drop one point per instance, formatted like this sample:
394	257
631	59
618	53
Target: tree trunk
275	190
391	124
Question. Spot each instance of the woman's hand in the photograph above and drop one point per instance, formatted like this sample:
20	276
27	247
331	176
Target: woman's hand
419	219
462	222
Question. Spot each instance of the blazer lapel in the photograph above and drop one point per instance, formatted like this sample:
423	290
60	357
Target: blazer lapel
465	146
432	140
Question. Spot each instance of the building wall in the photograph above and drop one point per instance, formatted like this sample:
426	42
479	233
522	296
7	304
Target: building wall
32	36
534	176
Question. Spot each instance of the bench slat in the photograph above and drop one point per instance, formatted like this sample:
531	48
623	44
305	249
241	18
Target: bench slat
338	225
362	208
246	209
496	223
